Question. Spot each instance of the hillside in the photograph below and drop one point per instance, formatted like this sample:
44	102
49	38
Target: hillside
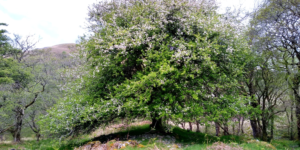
60	48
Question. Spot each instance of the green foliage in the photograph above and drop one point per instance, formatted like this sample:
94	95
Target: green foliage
9	69
12	72
185	136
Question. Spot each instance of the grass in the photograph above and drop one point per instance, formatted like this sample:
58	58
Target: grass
186	136
179	138
283	144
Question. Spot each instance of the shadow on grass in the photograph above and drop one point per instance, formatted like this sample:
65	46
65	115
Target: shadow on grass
123	135
185	136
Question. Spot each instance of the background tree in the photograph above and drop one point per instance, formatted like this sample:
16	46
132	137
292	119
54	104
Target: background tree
276	22
21	93
7	66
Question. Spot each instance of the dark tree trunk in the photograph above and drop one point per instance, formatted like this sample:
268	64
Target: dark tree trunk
272	125
198	126
17	136
18	125
183	125
242	127
292	123
1	137
298	118
225	129
191	126
233	128
254	104
255	131
157	124
264	130
38	136
36	129
217	128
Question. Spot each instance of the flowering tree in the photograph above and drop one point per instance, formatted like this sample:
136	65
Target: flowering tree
162	59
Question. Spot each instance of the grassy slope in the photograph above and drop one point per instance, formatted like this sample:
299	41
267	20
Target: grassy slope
188	140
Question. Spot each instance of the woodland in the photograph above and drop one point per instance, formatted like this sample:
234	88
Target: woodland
180	65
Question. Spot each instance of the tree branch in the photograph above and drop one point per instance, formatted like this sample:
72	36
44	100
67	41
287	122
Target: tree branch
35	97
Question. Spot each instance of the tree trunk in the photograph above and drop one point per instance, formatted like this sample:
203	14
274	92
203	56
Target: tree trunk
255	132
298	118
272	125
264	130
254	104
18	126
17	136
225	129
217	128
233	128
38	135
239	127
191	126
292	123
157	124
297	98
1	137
183	125
198	126
242	126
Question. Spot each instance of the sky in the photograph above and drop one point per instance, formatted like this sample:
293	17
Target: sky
62	21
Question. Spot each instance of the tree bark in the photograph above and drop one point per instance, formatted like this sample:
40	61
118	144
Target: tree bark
264	130
183	125
18	126
225	129
217	128
292	123
233	128
297	98
298	118
253	123
242	126
198	126
38	135
35	128
272	125
191	126
254	104
239	127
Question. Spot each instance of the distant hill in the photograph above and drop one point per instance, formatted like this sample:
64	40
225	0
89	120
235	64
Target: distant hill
60	48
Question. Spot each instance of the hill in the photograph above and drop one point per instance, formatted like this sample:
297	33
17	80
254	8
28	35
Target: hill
60	48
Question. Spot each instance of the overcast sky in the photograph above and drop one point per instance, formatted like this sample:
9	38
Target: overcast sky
61	21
